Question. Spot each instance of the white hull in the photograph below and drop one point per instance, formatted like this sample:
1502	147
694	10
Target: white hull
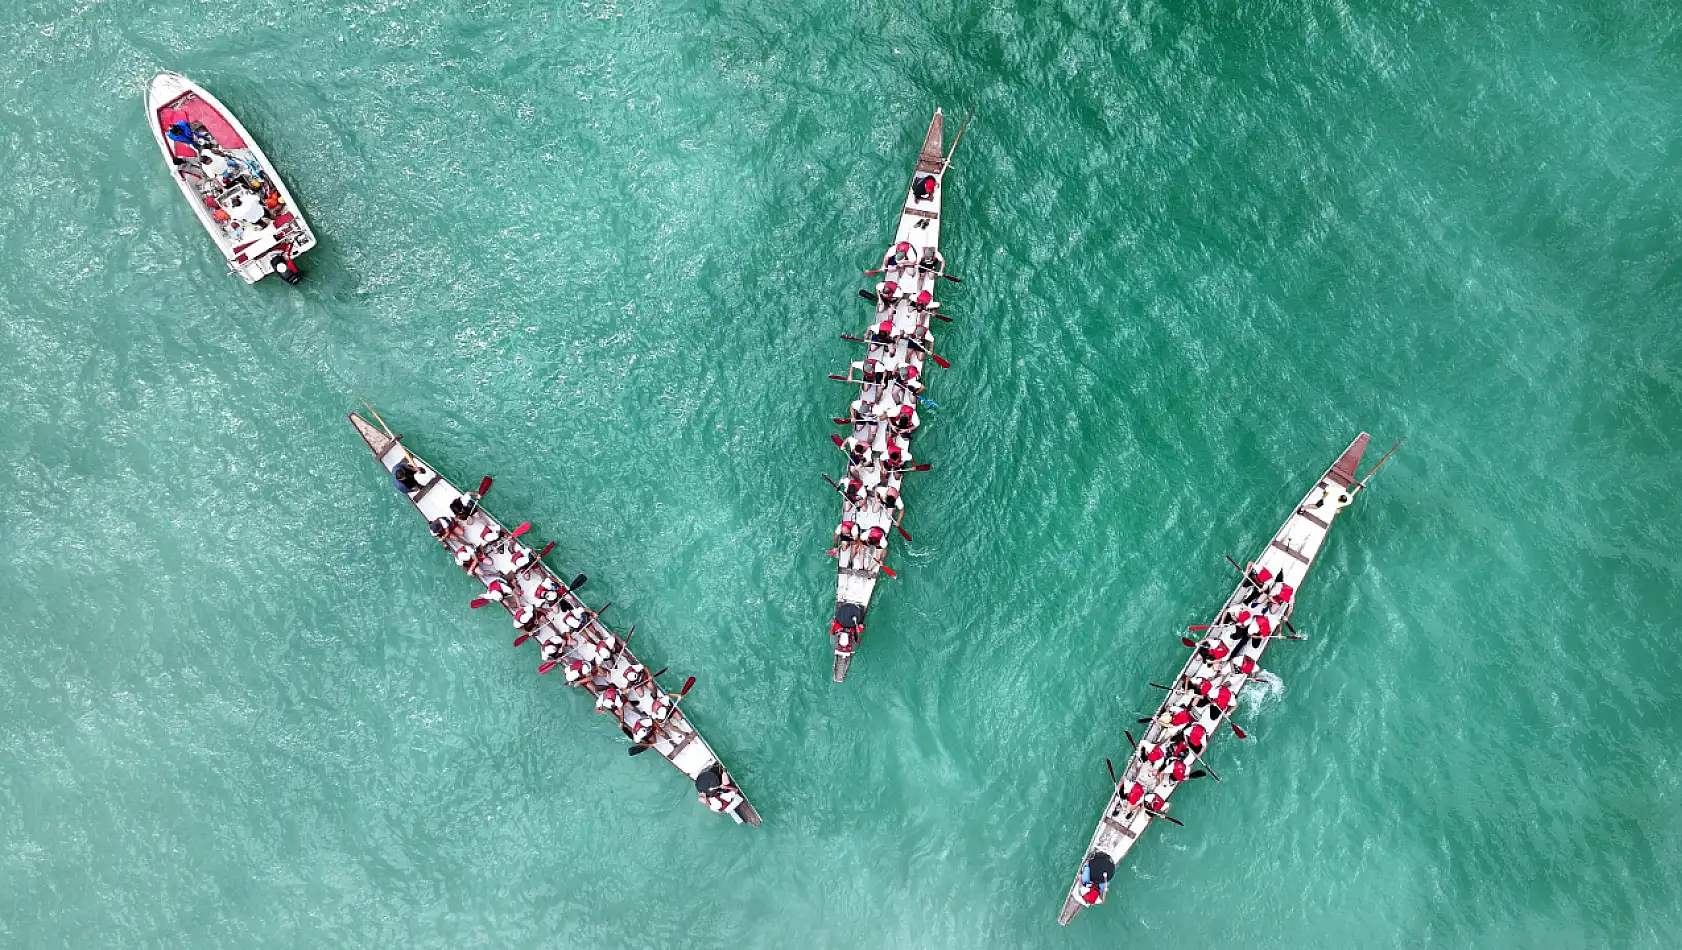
1288	555
250	249
860	566
678	742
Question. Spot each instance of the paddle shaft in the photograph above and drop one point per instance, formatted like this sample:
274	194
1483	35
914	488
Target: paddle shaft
947	162
1363	483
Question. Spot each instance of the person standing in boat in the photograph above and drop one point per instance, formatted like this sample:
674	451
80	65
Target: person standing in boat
407	477
716	790
1095	875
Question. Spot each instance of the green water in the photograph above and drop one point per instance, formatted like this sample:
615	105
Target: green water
603	250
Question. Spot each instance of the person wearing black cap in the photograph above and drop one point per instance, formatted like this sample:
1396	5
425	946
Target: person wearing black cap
1095	877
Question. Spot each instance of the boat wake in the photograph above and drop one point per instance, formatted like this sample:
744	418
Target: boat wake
1263	691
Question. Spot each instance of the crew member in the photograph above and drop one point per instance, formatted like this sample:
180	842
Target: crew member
407	476
900	255
931	262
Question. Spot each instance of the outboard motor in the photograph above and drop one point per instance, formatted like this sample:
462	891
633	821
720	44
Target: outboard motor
287	270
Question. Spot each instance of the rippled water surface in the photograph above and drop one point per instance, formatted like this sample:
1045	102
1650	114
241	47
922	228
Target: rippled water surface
604	250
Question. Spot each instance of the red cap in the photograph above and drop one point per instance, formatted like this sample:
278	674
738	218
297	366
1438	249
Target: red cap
924	298
890	286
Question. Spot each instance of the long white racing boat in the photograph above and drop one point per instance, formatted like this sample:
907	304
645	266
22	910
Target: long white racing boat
1228	658
228	181
890	378
571	638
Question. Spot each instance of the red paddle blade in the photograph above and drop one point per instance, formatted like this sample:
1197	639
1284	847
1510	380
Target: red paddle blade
546	549
902	534
889	571
1113	779
484	485
522	529
941	360
663	669
477	602
1188	641
837	440
521	638
1201	626
546	667
686	685
1239	732
1129	736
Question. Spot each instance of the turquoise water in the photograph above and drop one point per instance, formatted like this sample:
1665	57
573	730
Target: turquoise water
603	251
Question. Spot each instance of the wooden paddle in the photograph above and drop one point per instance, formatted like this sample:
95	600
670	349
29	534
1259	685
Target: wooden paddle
1363	482
947	161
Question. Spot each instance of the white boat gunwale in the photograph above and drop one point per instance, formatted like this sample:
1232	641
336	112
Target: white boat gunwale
1289	554
919	224
689	753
